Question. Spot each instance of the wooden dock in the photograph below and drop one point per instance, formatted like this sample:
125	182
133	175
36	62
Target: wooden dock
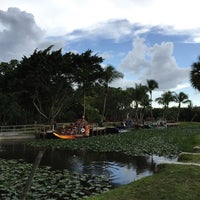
97	131
41	131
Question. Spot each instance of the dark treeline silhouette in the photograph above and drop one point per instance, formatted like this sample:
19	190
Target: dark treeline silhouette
49	86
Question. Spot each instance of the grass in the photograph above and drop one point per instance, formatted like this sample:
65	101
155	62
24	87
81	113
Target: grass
192	158
172	182
184	124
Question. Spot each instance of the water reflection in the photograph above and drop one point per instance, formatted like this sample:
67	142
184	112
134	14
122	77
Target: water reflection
121	169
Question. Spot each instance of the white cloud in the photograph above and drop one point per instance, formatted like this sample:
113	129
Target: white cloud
20	35
111	29
163	67
64	16
156	62
123	83
135	61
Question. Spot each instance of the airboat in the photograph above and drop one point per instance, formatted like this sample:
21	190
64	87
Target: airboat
77	130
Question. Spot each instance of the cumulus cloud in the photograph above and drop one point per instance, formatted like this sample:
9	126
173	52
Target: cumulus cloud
135	61
20	35
156	62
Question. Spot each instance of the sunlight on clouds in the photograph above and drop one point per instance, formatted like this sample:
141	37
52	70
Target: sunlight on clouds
182	86
123	83
21	35
64	16
135	62
156	62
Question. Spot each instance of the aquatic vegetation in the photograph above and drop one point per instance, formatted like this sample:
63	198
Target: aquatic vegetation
163	142
48	183
56	184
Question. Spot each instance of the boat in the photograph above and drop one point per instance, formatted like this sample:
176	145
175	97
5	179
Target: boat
77	130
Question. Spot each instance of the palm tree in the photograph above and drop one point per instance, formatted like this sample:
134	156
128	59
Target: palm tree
181	98
109	74
195	75
165	99
144	103
138	95
151	84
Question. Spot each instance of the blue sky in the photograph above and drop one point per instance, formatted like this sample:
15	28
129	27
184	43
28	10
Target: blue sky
144	39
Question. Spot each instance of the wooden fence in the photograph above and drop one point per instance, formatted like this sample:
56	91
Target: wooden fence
21	129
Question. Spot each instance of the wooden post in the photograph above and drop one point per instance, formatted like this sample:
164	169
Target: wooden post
33	170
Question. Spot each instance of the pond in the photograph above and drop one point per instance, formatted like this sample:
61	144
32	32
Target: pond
120	168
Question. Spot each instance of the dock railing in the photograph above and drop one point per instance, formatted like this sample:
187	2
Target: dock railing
12	130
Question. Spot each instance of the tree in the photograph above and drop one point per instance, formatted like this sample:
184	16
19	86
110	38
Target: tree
7	76
10	109
109	74
165	99
118	104
151	85
181	98
195	74
87	70
144	103
138	94
44	81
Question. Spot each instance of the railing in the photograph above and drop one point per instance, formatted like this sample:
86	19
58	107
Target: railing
21	129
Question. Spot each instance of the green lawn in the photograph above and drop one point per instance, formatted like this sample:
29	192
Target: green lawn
173	182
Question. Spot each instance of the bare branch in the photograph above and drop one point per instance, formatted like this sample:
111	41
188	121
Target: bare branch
34	103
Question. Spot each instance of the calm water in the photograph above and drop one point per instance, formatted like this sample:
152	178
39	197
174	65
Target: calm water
120	168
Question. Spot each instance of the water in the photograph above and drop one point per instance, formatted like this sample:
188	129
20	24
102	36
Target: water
121	169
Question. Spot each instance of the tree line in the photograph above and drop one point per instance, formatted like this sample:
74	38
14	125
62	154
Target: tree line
49	86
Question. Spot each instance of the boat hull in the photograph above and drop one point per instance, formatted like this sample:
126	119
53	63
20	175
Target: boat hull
69	137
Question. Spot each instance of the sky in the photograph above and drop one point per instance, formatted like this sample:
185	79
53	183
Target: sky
143	39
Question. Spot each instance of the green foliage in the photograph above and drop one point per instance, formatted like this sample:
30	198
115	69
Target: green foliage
11	111
43	84
163	142
51	86
191	158
195	75
48	183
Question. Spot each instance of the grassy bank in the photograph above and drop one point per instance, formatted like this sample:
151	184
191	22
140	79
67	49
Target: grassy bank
171	182
180	182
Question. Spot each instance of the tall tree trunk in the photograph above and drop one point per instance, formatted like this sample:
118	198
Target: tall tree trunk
136	112
178	112
84	104
151	107
104	103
